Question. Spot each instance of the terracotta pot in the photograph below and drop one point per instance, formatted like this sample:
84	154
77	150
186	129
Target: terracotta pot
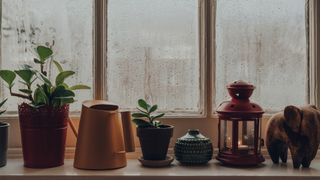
155	141
43	135
3	143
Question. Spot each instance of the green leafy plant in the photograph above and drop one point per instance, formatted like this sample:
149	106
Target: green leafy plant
145	117
39	89
1	104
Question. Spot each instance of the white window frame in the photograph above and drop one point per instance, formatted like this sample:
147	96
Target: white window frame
207	121
207	15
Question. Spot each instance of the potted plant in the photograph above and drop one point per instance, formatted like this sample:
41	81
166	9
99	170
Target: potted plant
44	115
3	138
154	137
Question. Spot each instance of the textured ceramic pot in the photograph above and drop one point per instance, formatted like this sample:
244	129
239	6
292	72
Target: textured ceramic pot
3	143
43	135
155	142
193	148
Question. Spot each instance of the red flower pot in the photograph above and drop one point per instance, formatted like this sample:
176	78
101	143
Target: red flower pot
43	135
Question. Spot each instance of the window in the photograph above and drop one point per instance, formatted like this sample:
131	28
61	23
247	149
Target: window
160	50
153	53
28	22
264	42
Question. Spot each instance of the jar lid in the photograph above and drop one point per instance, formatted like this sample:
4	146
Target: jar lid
193	135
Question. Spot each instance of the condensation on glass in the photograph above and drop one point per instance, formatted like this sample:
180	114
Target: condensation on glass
153	53
263	42
67	22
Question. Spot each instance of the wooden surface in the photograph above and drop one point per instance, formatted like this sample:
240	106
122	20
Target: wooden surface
15	170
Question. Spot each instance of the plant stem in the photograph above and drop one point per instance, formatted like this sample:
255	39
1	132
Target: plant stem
20	96
42	70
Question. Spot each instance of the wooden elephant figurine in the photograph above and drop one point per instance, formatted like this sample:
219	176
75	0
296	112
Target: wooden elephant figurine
297	129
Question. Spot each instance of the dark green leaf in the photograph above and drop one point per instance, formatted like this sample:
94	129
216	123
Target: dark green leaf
27	91
25	74
58	65
40	97
46	80
153	108
1	112
138	115
38	61
61	91
79	86
62	76
141	123
8	76
2	103
44	52
143	104
158	116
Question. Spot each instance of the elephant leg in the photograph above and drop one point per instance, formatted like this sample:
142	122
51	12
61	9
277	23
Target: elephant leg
306	162
275	149
284	153
296	162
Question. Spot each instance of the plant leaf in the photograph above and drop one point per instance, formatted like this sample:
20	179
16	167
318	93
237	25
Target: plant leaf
27	91
25	74
79	86
44	53
58	65
157	116
153	108
1	112
138	115
39	97
46	80
8	76
2	103
141	123
61	91
62	76
143	104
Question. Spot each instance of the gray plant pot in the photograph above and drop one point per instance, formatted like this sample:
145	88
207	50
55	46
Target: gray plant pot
3	143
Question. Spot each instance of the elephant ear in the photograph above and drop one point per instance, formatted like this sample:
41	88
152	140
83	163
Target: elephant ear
292	115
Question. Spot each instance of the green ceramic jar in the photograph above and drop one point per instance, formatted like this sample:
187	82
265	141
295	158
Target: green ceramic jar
193	148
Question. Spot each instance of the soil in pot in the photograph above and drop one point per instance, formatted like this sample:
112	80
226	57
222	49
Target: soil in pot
3	143
155	141
43	135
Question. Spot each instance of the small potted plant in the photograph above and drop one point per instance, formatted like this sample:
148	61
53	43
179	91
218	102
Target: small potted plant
44	114
154	137
3	138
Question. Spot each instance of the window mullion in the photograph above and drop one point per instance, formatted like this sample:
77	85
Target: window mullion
314	44
100	48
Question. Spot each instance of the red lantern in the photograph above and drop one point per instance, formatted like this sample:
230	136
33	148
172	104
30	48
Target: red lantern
239	127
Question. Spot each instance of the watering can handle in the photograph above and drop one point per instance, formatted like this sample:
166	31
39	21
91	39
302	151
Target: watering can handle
73	128
127	131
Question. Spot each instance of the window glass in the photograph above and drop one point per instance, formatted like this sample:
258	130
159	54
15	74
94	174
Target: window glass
69	23
153	53
263	42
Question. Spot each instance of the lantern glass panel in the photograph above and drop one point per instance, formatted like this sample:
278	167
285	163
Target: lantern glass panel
246	136
225	135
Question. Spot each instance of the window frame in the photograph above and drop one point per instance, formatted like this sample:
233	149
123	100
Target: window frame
207	17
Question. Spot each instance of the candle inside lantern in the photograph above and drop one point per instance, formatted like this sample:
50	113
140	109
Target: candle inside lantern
242	148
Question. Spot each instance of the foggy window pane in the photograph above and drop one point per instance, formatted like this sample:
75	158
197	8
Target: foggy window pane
263	42
153	53
68	22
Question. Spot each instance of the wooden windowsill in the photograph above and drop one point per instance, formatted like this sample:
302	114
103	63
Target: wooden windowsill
15	170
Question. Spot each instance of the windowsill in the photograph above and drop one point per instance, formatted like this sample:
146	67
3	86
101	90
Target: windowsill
15	170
